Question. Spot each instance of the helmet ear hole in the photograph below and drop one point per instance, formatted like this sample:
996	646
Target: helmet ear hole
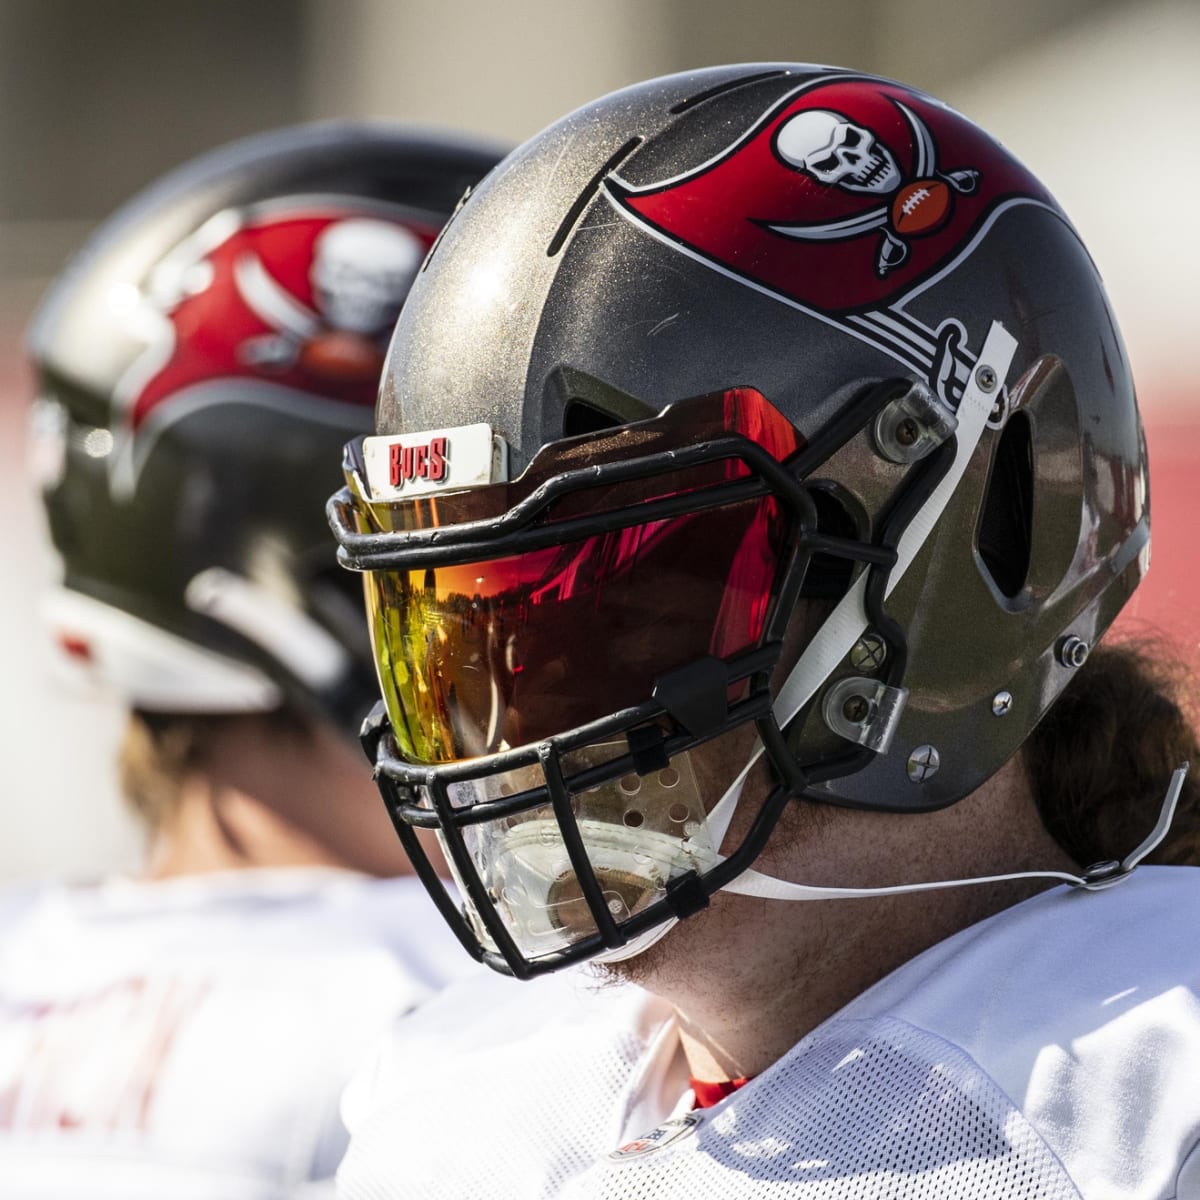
1005	535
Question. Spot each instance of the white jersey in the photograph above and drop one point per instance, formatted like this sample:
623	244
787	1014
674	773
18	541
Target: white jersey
1051	1051
190	1038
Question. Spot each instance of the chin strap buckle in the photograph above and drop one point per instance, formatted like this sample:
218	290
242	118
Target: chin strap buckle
1105	874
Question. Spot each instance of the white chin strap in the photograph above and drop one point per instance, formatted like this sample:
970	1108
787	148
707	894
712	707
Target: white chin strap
767	887
1100	875
846	624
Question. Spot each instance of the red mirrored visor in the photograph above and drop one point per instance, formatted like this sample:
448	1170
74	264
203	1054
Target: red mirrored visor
485	656
727	436
560	598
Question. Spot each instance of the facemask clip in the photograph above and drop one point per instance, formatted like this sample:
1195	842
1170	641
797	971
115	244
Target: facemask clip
648	750
864	711
697	696
913	425
686	896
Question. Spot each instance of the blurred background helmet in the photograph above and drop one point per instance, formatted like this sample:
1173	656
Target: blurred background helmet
199	364
827	267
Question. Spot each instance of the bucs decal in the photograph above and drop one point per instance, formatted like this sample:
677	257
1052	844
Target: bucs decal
426	460
286	304
845	199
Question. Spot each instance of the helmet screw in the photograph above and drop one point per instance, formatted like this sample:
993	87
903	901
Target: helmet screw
985	377
868	652
1002	703
856	709
1073	651
923	763
907	432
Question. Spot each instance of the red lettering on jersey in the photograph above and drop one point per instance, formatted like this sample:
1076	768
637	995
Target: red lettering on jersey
124	1033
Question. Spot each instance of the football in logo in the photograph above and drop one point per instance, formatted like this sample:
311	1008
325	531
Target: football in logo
921	208
841	198
341	357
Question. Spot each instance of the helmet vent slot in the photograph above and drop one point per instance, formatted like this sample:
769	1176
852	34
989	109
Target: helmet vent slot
581	417
584	197
1006	526
721	89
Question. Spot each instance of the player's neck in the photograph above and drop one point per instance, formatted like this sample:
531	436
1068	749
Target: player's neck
794	983
277	802
782	968
216	828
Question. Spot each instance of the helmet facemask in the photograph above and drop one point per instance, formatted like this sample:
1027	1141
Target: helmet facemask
566	791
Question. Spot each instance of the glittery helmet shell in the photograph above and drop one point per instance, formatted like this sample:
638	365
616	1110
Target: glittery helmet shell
806	232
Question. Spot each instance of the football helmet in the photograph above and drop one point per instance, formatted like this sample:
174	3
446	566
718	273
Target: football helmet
198	364
763	400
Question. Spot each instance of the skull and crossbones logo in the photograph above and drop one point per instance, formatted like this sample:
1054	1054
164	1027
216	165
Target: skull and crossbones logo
361	271
834	151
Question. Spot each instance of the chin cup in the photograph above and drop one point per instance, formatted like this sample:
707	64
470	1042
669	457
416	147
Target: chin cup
641	832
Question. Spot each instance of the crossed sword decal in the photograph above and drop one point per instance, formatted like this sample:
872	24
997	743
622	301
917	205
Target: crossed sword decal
893	250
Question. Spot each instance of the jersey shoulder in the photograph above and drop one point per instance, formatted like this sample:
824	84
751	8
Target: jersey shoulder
1084	1008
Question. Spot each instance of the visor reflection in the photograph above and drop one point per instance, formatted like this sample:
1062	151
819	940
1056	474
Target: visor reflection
491	655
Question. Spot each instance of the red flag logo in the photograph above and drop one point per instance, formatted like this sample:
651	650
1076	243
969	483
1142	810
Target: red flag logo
842	198
272	304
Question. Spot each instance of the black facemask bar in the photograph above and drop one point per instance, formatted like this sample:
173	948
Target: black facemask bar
691	701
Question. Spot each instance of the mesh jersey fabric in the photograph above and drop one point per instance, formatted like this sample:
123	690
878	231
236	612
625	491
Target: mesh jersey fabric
1051	1051
191	1038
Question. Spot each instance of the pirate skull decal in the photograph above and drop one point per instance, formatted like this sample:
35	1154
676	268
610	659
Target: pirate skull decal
835	151
362	270
841	197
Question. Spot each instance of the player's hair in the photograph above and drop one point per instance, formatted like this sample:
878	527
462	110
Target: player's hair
1100	760
160	750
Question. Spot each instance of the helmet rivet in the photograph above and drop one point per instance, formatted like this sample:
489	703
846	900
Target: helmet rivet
985	377
868	652
907	432
1002	703
923	763
856	708
1073	651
